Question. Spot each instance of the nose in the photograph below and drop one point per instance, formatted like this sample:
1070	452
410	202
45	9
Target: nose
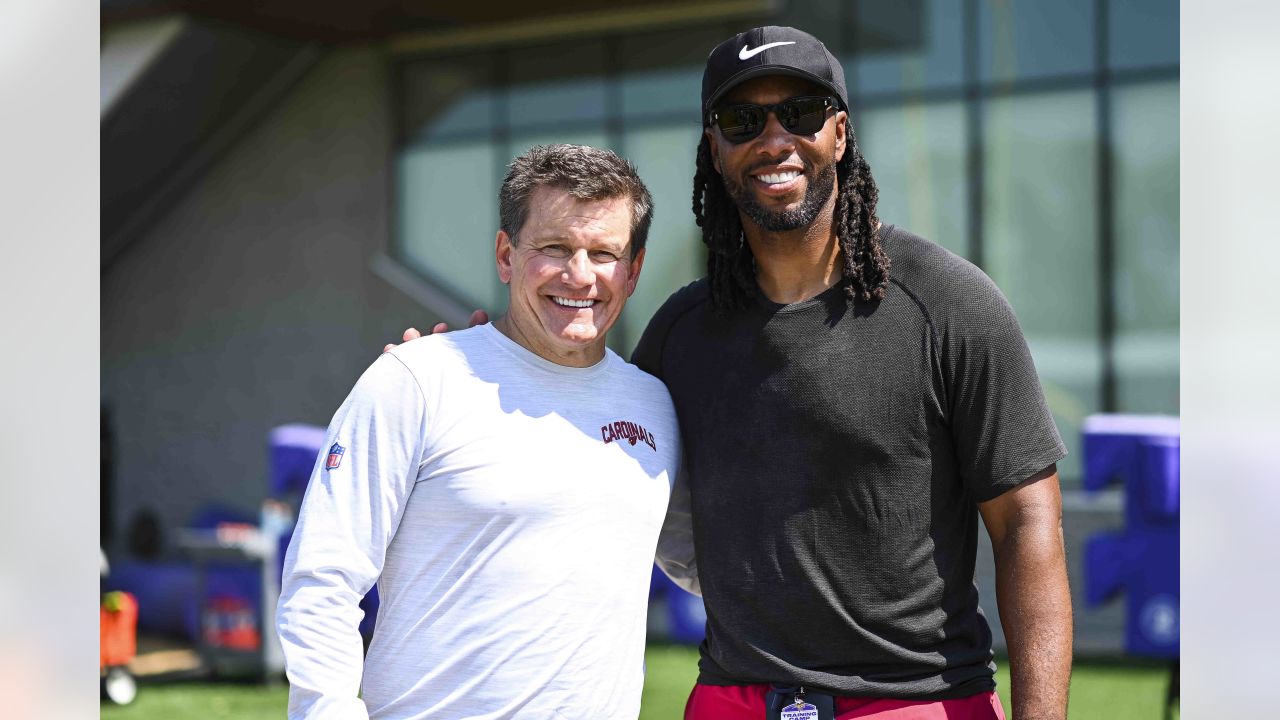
577	270
775	139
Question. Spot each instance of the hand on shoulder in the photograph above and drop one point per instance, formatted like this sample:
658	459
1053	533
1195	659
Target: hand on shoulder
479	317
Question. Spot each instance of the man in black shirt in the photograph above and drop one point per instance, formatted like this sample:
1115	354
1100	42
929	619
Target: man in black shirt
852	399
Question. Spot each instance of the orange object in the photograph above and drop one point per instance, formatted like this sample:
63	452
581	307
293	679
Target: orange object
118	625
229	622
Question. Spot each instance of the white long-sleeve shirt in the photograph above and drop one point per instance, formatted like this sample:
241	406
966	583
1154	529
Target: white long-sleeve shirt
508	509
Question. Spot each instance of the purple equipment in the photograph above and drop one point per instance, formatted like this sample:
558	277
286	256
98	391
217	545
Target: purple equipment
294	452
684	613
1142	559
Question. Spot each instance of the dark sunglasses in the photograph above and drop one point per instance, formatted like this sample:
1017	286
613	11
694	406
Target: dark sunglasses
799	115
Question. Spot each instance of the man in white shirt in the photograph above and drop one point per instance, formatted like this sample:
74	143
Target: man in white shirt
503	485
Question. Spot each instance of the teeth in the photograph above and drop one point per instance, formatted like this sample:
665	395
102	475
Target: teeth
776	178
566	302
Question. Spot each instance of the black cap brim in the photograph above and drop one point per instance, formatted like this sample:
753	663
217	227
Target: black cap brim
765	70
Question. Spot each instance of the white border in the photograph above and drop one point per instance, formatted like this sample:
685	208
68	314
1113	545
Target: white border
49	367
1230	357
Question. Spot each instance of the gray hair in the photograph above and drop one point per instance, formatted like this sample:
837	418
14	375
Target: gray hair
586	173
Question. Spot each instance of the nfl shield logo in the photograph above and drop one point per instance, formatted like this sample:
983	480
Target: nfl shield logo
335	456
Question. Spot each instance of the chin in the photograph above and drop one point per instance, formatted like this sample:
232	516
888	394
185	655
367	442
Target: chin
579	339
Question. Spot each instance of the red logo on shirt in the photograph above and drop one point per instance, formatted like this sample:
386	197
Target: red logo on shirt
626	430
335	456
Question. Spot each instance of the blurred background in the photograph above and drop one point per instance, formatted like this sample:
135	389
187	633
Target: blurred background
287	185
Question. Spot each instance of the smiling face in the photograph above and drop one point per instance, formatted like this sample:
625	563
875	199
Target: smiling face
779	181
570	272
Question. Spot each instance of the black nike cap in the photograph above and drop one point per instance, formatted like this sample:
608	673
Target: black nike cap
770	50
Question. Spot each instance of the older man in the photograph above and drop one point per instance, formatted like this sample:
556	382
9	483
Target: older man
503	485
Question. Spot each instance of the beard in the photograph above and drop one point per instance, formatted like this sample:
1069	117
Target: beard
816	195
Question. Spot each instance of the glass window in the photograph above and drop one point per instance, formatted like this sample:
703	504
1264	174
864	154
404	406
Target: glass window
823	20
555	84
917	157
1143	33
1146	242
1041	38
1041	248
905	46
662	73
664	156
448	216
448	98
521	142
465	117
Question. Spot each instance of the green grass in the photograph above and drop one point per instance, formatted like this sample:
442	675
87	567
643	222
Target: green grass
669	674
1109	690
1099	690
192	700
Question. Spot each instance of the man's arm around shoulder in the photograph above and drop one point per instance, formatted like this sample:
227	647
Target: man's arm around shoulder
675	555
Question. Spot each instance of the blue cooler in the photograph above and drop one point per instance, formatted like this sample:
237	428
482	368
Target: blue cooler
1141	560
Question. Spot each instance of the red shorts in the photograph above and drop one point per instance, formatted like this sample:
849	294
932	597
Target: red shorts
746	702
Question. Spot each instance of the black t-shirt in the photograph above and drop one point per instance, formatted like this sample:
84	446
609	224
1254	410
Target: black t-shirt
836	451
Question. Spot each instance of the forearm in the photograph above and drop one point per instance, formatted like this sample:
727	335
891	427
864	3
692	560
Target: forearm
326	573
351	510
675	554
1035	612
318	627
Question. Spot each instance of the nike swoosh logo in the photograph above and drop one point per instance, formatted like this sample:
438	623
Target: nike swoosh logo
747	53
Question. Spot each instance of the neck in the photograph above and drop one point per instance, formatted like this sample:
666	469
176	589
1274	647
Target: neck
796	264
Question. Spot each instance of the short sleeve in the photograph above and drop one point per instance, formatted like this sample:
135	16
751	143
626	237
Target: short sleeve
1000	423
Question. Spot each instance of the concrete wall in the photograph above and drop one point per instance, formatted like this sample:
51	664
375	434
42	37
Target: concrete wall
251	303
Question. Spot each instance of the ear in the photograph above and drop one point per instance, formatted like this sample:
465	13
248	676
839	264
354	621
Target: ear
503	251
841	138
715	148
637	263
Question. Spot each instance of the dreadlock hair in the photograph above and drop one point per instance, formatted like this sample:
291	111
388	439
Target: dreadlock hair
730	262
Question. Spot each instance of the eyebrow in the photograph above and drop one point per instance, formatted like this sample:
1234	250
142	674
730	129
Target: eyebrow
562	239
